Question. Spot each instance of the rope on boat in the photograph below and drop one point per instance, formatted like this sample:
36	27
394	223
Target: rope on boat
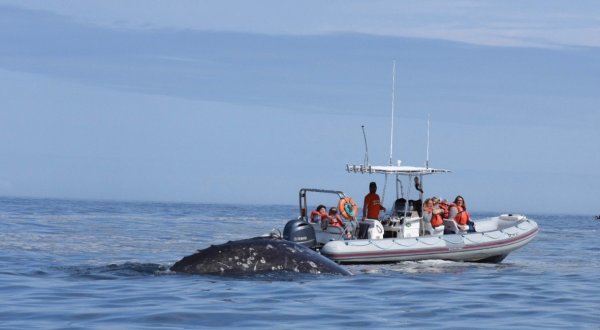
409	245
517	225
378	246
417	241
490	236
355	243
451	242
508	231
424	242
467	238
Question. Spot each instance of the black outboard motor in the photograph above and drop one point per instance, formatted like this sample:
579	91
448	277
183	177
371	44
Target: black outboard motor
300	232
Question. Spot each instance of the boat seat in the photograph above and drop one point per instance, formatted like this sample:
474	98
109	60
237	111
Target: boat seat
429	230
335	230
369	229
363	230
450	227
416	205
413	205
399	206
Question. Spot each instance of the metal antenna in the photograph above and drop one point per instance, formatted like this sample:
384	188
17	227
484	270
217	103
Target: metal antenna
427	161
391	129
393	99
366	147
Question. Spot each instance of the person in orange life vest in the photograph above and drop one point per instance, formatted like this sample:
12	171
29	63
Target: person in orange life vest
441	206
458	212
334	218
431	214
319	213
372	204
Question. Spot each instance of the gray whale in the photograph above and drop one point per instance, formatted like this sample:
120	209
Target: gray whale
258	255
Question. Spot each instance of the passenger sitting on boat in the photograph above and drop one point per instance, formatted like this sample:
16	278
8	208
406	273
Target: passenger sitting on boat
436	202
458	212
428	209
441	206
334	218
431	214
372	204
319	213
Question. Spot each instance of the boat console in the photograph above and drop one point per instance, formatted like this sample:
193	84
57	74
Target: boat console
405	226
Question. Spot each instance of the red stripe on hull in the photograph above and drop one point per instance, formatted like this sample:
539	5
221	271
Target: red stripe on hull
347	256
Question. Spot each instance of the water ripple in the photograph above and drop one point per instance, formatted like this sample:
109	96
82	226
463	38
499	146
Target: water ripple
102	265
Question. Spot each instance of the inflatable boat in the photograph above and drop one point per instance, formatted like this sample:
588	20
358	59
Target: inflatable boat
492	241
403	234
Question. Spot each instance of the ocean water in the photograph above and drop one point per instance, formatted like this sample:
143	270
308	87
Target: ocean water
67	264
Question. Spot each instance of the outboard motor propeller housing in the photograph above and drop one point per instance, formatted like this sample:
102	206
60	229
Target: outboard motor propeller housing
300	232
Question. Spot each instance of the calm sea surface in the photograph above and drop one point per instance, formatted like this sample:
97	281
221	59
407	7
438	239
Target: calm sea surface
68	264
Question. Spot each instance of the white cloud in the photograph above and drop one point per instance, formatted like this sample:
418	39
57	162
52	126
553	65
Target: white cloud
496	23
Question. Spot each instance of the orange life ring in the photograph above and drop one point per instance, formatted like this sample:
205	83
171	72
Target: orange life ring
348	207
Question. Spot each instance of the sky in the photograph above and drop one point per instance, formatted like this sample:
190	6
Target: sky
247	102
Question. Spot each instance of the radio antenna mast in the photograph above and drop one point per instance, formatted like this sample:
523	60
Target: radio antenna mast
391	128
393	99
366	147
427	161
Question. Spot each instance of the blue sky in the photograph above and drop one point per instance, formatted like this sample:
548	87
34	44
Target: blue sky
247	102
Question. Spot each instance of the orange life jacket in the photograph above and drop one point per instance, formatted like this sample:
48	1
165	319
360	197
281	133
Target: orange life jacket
446	209
436	219
315	216
462	217
336	220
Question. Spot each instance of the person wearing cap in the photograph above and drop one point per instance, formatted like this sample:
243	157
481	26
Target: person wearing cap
372	205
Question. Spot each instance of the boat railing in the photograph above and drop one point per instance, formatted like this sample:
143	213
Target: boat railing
303	202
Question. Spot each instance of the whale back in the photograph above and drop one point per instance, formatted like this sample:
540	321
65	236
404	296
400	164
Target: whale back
257	255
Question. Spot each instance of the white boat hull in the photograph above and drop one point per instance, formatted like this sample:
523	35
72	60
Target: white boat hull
495	239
